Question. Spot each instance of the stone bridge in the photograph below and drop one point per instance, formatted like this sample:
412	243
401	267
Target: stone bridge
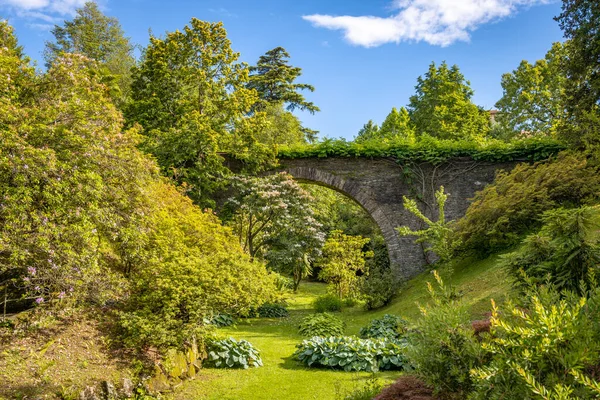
379	184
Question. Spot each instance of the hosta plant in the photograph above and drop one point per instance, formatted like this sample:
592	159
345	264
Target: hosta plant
221	320
389	326
323	324
351	353
231	353
273	310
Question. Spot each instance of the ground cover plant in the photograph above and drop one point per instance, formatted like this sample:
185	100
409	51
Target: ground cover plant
231	353
322	324
389	326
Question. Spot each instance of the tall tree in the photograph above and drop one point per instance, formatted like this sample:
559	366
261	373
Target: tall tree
442	106
369	131
273	78
397	125
100	38
189	94
533	98
580	21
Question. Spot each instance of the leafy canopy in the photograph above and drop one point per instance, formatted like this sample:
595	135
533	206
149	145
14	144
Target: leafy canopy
442	107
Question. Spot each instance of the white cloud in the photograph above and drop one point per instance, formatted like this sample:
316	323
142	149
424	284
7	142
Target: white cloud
437	22
37	11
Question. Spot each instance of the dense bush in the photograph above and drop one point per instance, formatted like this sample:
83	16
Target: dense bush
231	353
547	351
389	326
323	324
442	347
565	252
378	288
515	202
328	303
273	310
351	354
192	268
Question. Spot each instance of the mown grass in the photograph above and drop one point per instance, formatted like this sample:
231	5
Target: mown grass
282	377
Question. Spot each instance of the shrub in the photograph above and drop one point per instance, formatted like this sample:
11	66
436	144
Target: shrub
191	269
328	303
323	324
389	326
565	252
443	347
231	353
273	310
352	354
378	288
516	201
546	351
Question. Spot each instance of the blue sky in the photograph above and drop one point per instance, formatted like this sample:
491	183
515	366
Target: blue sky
363	57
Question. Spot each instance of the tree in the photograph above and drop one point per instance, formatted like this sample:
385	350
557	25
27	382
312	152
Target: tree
100	38
442	107
343	258
397	125
189	94
369	131
273	221
282	127
580	20
273	79
533	98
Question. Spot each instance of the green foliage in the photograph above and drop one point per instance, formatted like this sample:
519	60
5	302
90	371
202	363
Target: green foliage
273	310
438	235
231	353
442	346
396	126
272	219
351	354
99	38
580	20
322	324
189	94
533	98
281	128
565	252
378	288
389	326
221	320
426	148
342	259
542	352
328	303
192	268
442	107
273	79
516	201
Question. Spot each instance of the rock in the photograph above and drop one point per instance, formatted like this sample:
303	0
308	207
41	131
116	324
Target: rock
127	388
89	393
108	391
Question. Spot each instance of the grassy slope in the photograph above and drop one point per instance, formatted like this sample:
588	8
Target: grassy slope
283	378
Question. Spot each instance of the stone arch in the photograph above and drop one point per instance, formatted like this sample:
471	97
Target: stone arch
402	266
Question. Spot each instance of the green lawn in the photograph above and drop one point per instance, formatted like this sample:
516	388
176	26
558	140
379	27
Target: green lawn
281	377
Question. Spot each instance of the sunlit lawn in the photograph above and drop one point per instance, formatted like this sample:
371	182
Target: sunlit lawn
282	377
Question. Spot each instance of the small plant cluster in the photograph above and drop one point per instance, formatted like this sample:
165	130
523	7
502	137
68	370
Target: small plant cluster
328	303
351	353
221	320
322	324
231	353
387	327
429	149
273	310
